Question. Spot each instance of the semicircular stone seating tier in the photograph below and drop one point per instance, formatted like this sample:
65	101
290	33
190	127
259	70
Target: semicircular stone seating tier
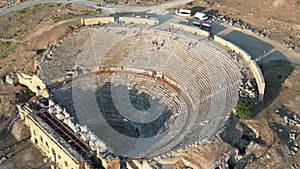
164	98
207	76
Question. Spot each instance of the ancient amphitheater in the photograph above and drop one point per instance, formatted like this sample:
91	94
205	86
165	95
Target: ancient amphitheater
152	89
130	90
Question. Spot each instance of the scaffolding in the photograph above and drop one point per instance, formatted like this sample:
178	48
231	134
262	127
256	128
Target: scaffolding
65	132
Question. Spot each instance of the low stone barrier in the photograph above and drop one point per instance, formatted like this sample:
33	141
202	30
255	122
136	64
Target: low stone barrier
137	20
259	79
97	21
191	29
232	46
252	64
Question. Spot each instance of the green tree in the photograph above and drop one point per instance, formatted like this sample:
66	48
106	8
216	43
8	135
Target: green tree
244	109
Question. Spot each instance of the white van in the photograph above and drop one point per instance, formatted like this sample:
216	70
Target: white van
201	16
183	12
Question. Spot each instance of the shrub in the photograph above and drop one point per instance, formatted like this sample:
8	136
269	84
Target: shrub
22	11
244	109
68	4
2	56
98	10
6	45
51	5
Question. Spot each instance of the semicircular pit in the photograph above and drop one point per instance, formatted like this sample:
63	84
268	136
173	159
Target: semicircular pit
146	95
141	103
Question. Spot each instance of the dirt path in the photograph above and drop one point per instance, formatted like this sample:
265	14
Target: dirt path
45	29
163	7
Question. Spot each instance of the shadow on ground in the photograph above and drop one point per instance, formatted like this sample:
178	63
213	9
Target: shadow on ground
212	12
254	46
197	9
276	55
216	28
164	17
106	104
275	73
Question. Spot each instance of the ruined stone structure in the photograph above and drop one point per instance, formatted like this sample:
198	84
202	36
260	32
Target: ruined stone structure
161	90
63	147
34	84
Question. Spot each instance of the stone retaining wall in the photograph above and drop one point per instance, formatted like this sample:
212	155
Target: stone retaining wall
191	29
137	20
252	64
259	79
107	20
97	21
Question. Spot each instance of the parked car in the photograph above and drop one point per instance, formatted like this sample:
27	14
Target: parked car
197	23
183	12
201	16
205	26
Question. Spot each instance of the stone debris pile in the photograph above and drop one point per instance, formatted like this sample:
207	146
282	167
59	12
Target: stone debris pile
293	121
247	88
11	79
292	41
240	24
50	52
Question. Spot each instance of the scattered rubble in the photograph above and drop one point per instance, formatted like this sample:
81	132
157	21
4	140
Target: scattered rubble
11	79
50	51
247	88
293	121
292	41
240	24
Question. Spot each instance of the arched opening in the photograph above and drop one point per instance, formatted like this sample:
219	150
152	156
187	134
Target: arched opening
38	88
53	152
37	68
66	164
36	141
